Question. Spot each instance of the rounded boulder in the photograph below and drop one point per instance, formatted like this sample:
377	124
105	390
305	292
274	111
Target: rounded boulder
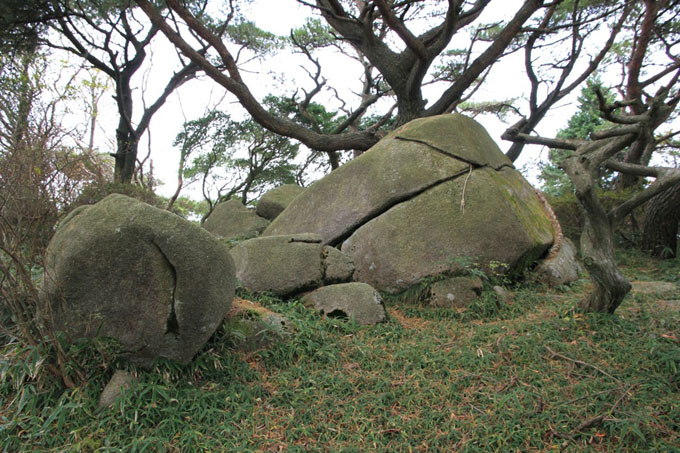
155	282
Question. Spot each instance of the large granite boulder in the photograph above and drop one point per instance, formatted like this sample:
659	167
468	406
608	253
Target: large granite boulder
289	264
426	199
357	301
157	283
231	219
272	203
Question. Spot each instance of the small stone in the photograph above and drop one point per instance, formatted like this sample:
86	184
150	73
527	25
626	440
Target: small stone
658	289
560	269
505	296
254	327
121	380
357	301
455	292
338	267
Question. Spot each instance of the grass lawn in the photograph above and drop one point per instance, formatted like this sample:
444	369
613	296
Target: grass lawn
533	375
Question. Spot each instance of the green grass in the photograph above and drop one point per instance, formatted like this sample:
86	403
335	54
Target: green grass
483	379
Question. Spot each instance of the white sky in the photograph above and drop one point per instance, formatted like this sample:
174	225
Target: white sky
278	16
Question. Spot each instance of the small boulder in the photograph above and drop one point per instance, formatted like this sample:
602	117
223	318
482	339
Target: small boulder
289	264
560	267
357	301
254	327
121	380
283	265
455	292
272	203
503	295
155	282
337	267
231	219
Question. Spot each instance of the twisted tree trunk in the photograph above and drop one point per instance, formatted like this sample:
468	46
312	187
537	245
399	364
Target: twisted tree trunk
597	244
660	236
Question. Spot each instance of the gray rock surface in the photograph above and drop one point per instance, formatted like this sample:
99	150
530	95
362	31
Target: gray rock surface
657	289
231	219
289	264
157	283
427	235
357	301
561	268
503	295
337	267
429	196
455	292
283	265
272	203
121	380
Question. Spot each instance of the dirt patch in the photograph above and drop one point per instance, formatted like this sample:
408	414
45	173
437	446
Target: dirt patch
409	323
660	289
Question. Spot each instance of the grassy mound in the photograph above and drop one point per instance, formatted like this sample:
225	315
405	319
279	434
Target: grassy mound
532	375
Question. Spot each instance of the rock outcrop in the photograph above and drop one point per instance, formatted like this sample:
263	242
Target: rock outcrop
231	219
429	197
157	283
272	203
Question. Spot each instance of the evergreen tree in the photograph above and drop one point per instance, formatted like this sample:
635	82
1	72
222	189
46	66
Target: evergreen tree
581	125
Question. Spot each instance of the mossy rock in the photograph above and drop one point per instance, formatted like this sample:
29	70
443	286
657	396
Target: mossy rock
283	265
155	282
231	219
272	203
356	301
501	224
434	193
392	171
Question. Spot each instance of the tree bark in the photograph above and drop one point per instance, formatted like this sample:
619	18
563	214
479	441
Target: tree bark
126	139
597	246
610	286
660	236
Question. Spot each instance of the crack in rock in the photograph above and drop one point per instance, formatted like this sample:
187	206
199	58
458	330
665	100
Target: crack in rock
394	202
171	325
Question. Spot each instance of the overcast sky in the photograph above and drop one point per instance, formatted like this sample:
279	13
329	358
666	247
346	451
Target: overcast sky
193	99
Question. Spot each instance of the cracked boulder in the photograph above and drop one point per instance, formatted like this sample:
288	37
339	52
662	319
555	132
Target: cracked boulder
155	282
272	203
428	198
356	301
289	264
231	219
